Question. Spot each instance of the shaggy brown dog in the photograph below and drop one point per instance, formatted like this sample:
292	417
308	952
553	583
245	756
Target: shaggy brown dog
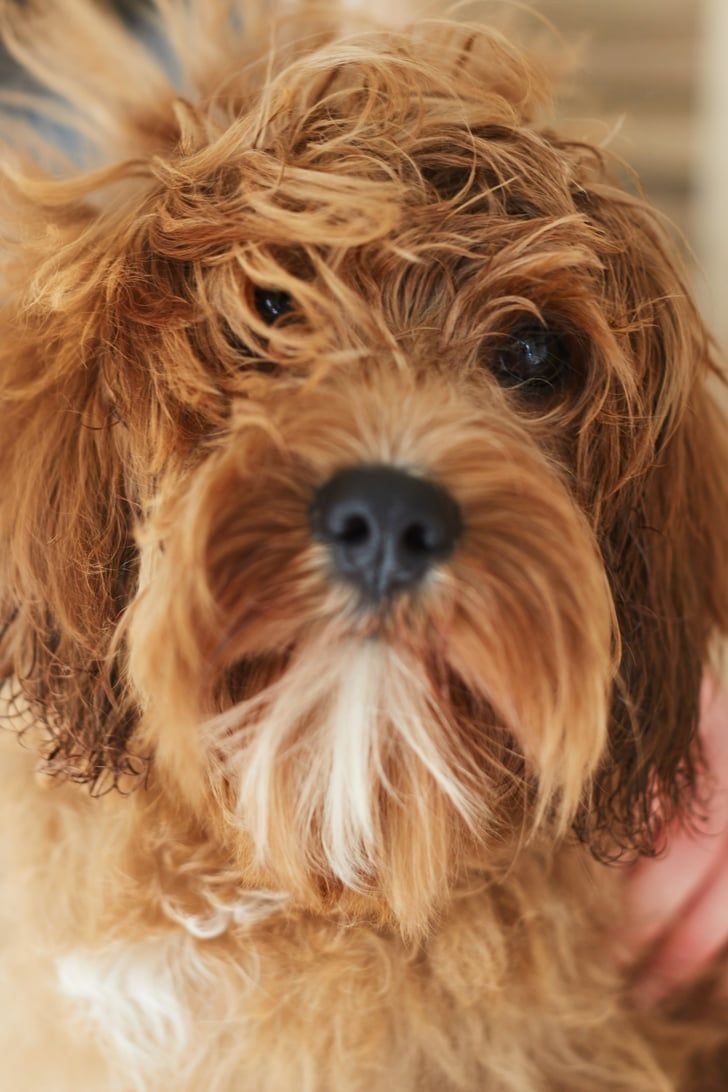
363	522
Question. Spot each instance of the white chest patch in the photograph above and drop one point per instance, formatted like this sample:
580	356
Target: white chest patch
161	1004
133	995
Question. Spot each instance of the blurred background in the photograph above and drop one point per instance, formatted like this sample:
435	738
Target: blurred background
658	69
656	72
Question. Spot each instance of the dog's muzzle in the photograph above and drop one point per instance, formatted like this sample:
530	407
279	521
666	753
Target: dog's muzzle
384	529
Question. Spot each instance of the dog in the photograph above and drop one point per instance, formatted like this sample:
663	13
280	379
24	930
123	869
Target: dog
362	525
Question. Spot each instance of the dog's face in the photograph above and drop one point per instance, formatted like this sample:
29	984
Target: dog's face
360	471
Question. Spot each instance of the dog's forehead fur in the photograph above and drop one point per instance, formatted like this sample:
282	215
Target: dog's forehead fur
404	189
163	443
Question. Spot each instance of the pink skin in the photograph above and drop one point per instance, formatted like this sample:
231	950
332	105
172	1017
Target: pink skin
678	904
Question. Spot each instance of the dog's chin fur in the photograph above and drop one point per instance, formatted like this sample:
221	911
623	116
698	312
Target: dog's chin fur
265	833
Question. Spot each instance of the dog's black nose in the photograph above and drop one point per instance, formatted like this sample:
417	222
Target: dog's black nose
385	528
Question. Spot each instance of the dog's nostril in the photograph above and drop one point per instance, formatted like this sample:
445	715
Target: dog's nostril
384	528
417	539
355	531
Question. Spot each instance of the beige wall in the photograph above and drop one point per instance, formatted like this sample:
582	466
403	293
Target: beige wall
659	69
710	197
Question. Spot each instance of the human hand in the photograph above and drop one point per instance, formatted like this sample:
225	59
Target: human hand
677	905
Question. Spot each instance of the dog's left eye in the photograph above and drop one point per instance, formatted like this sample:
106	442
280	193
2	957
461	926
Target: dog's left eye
533	357
272	304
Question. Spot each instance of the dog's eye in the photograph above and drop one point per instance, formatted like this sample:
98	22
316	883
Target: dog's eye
272	304
533	357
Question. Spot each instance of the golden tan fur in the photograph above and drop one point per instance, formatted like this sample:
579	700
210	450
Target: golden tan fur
330	847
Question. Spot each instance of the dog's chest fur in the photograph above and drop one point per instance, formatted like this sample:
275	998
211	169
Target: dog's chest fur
505	995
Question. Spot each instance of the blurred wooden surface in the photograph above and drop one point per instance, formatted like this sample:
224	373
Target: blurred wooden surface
710	198
639	69
659	68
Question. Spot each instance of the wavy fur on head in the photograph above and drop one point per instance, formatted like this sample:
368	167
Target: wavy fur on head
347	830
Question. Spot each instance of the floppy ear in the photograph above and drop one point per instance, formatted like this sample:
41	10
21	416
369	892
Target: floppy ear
67	559
661	509
667	558
71	249
67	562
66	575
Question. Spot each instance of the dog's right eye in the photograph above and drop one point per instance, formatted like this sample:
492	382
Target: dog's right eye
272	304
533	358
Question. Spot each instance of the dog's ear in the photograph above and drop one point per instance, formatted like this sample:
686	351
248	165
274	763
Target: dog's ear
660	504
67	571
72	249
86	305
67	558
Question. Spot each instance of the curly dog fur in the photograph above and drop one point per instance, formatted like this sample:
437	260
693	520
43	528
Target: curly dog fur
331	844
